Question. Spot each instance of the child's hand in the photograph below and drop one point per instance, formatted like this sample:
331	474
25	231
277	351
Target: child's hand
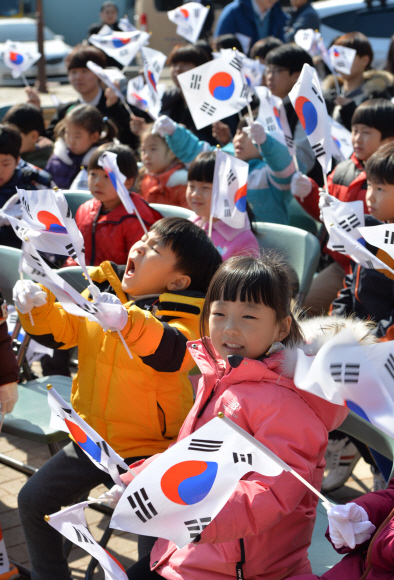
11	207
256	133
113	496
27	295
111	97
111	316
300	186
221	132
349	525
8	397
325	200
32	97
164	126
341	101
137	125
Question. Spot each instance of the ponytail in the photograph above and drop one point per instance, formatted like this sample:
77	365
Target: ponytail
109	131
90	119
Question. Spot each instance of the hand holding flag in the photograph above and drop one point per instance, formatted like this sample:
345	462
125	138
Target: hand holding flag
190	18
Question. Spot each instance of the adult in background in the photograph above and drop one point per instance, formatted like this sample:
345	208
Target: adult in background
302	16
253	18
108	16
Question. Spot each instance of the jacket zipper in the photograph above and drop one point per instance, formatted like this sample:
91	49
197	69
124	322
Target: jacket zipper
208	400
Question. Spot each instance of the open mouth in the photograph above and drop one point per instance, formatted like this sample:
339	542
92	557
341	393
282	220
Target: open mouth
130	268
232	347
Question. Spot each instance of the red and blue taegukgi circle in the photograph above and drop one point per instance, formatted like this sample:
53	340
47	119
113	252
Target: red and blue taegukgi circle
240	198
307	114
141	102
189	482
152	79
221	86
356	409
112	177
185	13
277	117
119	42
51	222
16	57
85	442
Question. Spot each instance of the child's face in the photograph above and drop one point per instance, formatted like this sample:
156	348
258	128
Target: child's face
178	69
279	80
198	197
245	328
78	139
83	80
359	66
151	268
365	140
155	154
100	186
243	147
29	141
8	165
380	201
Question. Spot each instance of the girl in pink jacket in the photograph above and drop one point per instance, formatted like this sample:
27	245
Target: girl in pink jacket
228	241
265	528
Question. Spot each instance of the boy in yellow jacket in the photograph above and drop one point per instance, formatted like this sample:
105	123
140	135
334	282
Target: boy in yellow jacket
137	405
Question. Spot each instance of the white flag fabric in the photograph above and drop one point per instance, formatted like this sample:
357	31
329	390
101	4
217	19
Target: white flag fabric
380	236
105	30
107	76
141	97
229	189
245	41
309	104
182	491
4	561
346	215
19	58
71	523
308	40
122	46
342	147
342	58
215	90
347	373
252	69
189	19
272	115
125	25
154	61
64	418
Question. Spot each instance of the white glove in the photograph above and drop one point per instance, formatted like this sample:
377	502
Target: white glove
325	200
111	316
301	186
349	525
104	297
11	207
8	397
256	132
164	126
113	495
27	295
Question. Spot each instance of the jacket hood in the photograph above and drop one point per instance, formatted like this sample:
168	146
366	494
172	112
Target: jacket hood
375	81
63	153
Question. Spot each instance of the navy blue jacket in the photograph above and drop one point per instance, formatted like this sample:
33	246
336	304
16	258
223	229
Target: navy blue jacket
301	19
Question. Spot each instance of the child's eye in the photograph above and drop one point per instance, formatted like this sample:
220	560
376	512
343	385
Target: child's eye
217	314
249	317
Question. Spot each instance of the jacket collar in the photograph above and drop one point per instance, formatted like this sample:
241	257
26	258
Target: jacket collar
226	231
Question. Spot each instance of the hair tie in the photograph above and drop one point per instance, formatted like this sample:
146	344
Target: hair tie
105	119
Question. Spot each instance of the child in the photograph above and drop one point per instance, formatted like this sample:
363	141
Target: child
36	148
138	405
82	130
108	230
269	177
163	178
372	126
228	241
267	523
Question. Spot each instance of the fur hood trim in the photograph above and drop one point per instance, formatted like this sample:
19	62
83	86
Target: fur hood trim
61	151
374	81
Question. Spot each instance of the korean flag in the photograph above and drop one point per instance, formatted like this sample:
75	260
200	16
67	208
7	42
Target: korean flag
18	57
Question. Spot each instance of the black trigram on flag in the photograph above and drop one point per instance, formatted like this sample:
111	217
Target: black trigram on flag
103	446
69	214
317	94
242	457
81	536
195	527
195	82
141	505
389	365
90	308
230	177
339	248
1	559
236	63
318	149
270	124
37	271
196	12
389	237
345	373
205	445
208	109
71	252
349	223
26	206
227	210
340	63
289	141
245	91
369	264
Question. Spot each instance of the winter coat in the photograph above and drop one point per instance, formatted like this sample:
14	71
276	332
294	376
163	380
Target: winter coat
301	19
269	179
273	516
230	241
42	152
109	236
377	84
64	165
137	405
9	370
168	187
239	16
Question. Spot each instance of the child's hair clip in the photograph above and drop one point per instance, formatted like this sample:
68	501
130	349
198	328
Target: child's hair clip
105	119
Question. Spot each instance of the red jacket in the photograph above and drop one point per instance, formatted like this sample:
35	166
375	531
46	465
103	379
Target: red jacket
347	182
110	236
168	187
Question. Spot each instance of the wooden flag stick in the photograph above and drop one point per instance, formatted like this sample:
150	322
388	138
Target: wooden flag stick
124	344
210	226
25	80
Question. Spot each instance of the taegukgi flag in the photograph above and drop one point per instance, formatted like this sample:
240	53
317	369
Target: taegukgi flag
381	237
125	24
64	417
154	61
252	69
181	492
108	77
71	523
272	116
342	147
347	373
309	104
229	189
19	58
215	90
189	18
342	58
346	215
141	97
122	46
308	40
4	561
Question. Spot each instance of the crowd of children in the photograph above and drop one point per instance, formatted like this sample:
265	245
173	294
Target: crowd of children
194	290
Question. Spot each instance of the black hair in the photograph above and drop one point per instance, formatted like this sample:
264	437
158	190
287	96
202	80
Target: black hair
262	47
378	114
126	160
188	53
226	41
10	140
263	280
204	44
26	117
82	53
91	120
359	42
107	4
380	166
289	56
390	57
196	255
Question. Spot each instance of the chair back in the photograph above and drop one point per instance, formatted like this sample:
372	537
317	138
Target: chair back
76	198
299	218
9	270
74	276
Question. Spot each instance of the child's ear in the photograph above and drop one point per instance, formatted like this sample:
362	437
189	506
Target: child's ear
129	182
180	283
284	328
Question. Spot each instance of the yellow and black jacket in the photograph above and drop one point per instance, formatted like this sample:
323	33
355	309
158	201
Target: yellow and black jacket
138	405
